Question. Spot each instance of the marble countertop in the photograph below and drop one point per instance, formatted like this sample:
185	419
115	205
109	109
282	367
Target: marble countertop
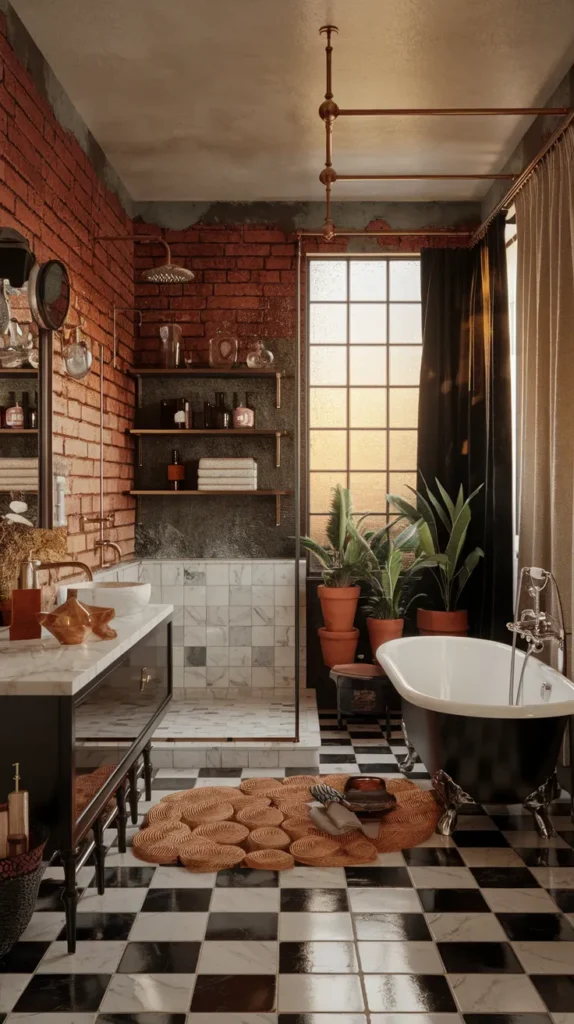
44	667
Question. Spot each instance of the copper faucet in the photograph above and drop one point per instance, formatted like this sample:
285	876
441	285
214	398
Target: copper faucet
108	544
65	565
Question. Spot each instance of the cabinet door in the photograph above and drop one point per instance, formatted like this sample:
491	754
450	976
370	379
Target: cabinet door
120	707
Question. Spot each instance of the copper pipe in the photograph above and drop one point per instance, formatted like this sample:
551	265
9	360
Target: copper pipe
327	30
423	177
522	178
453	111
136	238
388	232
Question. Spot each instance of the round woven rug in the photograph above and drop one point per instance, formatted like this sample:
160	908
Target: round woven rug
229	826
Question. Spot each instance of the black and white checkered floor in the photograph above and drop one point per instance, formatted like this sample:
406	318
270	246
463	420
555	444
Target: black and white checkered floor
479	927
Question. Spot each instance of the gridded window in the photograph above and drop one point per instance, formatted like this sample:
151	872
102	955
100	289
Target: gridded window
363	381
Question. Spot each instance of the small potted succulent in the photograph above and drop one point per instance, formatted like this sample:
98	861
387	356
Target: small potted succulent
393	584
344	562
436	516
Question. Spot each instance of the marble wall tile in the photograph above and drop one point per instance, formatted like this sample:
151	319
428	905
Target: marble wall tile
171	574
263	677
193	579
194	615
284	677
150	572
263	636
284	596
177	636
218	595
194	636
263	758
155	596
284	656
217	656
191	567
178	617
262	573
284	574
239	676
217	615
194	595
240	596
217	676
262	657
284	615
177	656
217	574
178	675
263	615
240	636
284	636
240	615
240	656
262	595
240	574
217	636
195	678
194	656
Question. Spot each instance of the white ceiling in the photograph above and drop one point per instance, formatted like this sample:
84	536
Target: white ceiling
217	99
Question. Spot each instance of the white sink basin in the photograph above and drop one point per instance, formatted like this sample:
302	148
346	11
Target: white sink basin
126	599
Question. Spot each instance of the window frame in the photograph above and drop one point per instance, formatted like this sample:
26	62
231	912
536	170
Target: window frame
348	302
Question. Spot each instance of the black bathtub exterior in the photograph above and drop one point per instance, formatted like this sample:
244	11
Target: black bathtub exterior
495	760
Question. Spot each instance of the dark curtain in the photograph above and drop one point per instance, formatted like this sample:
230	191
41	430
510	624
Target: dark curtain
465	430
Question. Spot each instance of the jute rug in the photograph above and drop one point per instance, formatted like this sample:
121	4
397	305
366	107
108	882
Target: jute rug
265	824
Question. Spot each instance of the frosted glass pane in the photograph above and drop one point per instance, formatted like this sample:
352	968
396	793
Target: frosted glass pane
403	449
368	365
405	280
368	407
328	280
318	531
328	449
328	365
328	407
369	491
404	407
327	324
321	486
368	280
368	449
368	323
405	365
405	325
399	484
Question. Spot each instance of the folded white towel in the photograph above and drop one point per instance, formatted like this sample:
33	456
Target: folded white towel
227	463
229	477
24	488
227	487
18	474
18	463
224	473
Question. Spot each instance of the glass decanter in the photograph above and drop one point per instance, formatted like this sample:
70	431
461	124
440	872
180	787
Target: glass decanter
223	350
258	357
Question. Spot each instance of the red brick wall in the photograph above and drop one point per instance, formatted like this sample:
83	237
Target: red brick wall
51	193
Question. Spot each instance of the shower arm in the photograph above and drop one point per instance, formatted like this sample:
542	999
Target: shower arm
135	238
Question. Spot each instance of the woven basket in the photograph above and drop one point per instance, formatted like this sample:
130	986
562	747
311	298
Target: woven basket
413	820
315	850
336	781
227	833
268	838
24	863
269	860
258	817
17	901
205	811
301	781
206	856
296	828
162	852
357	849
293	809
261	786
163	813
180	796
157	832
239	800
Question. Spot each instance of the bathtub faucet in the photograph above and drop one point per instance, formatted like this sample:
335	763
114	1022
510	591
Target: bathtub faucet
534	625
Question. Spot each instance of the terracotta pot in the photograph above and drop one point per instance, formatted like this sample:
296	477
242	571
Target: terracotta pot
442	623
381	630
6	612
338	647
338	605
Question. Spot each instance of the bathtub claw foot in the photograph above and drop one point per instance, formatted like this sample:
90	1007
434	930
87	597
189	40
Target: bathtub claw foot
406	766
452	797
538	804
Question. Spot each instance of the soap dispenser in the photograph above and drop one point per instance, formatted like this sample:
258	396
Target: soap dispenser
18	816
27	603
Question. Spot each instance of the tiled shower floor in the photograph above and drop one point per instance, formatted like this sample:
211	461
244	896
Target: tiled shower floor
478	928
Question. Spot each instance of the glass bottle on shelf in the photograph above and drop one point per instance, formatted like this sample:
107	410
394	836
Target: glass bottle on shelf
243	415
176	471
258	357
33	413
221	414
223	348
14	413
170	346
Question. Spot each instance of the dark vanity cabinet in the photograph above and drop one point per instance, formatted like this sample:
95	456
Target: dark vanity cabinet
56	738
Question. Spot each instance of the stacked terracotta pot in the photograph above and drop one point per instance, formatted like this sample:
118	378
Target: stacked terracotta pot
338	637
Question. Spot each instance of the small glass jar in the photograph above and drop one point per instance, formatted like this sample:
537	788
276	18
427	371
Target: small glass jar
170	348
258	357
223	348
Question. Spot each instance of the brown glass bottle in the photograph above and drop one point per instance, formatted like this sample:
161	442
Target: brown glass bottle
176	472
222	415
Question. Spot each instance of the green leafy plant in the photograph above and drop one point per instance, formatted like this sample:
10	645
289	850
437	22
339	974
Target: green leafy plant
431	514
348	557
393	584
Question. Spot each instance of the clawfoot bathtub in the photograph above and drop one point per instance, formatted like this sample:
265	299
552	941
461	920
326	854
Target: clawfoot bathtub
476	746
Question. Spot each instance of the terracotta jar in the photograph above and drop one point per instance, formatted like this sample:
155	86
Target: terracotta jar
381	630
338	647
432	623
338	605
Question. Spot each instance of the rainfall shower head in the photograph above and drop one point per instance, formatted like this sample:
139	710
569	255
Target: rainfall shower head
166	273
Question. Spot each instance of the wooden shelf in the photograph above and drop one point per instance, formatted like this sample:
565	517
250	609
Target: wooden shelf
223	432
216	494
204	371
18	371
15	430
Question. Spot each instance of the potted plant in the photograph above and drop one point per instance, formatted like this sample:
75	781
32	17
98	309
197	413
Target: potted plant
437	515
344	562
392	584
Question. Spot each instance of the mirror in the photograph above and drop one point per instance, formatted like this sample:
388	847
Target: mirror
49	294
